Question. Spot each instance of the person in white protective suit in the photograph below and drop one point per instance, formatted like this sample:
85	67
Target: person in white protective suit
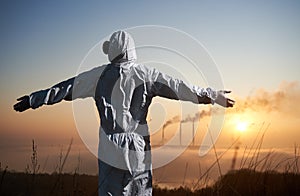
123	91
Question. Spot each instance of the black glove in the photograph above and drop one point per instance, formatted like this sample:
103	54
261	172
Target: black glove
224	101
23	104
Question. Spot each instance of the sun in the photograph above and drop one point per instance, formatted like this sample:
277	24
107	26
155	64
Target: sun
241	126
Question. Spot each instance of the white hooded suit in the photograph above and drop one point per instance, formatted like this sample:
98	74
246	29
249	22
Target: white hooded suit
123	91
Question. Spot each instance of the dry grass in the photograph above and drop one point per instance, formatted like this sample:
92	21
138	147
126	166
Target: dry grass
257	174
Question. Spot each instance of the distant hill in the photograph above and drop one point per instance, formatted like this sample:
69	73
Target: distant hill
240	182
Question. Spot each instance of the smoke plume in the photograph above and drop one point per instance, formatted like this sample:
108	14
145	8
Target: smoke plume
283	100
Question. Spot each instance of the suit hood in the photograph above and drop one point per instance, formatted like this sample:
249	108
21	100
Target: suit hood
120	47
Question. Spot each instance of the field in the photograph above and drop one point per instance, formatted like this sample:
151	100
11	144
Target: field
241	182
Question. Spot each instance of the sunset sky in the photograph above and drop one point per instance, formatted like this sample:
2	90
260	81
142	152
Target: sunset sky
255	44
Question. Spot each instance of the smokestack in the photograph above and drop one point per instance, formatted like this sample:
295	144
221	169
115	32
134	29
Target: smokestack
234	157
193	136
163	135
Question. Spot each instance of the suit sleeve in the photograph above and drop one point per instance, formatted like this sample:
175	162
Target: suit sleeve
171	88
81	86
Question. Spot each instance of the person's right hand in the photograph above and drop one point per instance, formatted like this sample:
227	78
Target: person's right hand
223	100
23	104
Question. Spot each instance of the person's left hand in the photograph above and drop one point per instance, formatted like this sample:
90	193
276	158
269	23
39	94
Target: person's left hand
23	104
223	100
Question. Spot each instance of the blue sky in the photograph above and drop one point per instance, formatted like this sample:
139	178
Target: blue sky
255	44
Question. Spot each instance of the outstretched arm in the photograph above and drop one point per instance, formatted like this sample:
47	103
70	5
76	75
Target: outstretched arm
168	87
55	94
80	86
